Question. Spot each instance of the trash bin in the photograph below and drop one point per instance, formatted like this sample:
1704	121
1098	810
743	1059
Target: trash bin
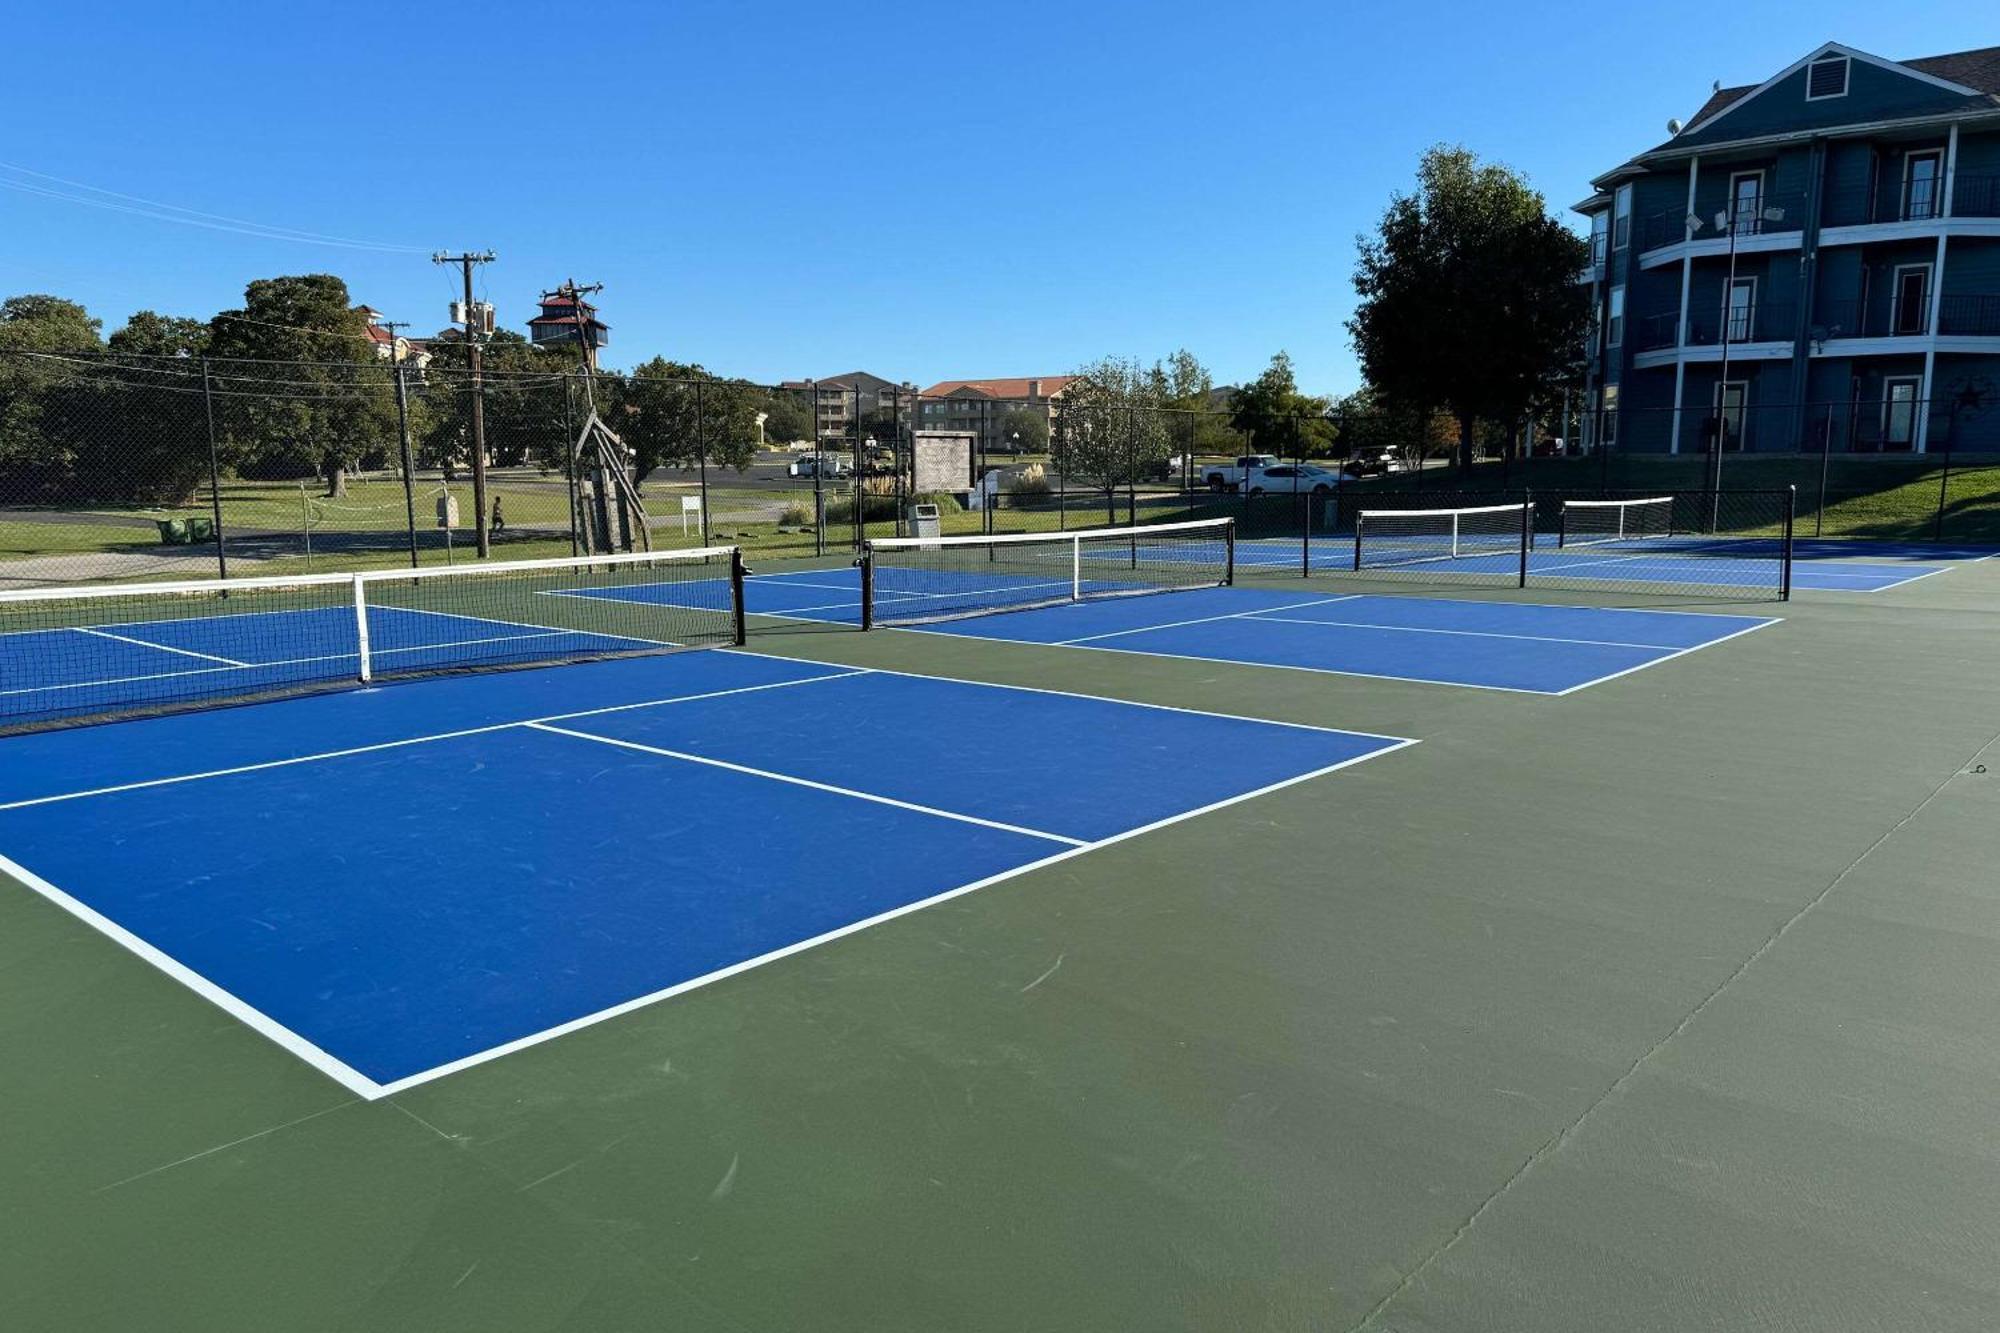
173	531
924	521
200	528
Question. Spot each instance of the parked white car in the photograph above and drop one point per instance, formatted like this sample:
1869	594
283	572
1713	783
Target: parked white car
1292	479
822	465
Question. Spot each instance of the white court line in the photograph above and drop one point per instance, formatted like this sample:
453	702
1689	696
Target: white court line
734	969
1198	620
1093	698
161	647
853	792
436	736
1466	633
1679	652
339	1071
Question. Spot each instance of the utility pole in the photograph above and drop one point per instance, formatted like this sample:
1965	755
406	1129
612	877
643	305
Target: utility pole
466	262
403	436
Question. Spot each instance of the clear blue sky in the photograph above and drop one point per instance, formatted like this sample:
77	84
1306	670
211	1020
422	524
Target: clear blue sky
790	189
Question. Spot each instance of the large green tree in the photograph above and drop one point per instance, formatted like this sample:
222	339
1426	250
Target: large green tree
330	407
1278	418
672	414
35	460
1469	298
527	402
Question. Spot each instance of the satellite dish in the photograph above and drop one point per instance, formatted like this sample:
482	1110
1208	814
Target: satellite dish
1673	127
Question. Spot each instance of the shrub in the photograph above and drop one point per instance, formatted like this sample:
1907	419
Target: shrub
796	516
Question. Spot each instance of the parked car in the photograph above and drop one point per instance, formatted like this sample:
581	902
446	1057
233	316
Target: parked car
1218	477
1372	464
1290	479
820	465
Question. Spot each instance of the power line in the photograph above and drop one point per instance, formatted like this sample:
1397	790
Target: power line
190	217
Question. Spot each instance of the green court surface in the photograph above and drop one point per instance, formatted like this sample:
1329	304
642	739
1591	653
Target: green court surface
1670	1004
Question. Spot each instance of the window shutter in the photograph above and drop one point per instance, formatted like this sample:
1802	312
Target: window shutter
1827	78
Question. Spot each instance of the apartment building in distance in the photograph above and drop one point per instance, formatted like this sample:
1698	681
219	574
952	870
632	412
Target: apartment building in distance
840	400
1811	262
981	406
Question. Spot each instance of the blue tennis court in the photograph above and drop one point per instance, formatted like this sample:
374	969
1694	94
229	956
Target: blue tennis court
1511	646
1818	566
400	881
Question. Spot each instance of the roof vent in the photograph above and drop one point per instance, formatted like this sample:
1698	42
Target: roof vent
1826	78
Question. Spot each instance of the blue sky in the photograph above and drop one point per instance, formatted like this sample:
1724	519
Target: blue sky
788	189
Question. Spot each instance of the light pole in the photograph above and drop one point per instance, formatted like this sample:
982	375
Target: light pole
1728	220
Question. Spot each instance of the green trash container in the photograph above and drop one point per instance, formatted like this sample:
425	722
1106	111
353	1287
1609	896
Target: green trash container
200	528
173	531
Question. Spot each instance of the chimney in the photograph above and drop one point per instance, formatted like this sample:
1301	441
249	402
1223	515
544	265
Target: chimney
1034	388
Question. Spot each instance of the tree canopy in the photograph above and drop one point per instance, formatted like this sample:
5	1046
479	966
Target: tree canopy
1469	296
1110	427
1278	418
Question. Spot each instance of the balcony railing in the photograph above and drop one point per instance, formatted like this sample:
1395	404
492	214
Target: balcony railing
1761	322
1964	315
1969	315
1972	196
1766	214
1657	331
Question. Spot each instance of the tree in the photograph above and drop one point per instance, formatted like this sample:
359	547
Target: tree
522	396
333	405
1278	418
788	420
149	333
1025	429
1469	297
1110	431
34	462
670	414
1371	426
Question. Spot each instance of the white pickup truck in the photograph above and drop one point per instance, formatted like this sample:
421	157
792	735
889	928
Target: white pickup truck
1220	478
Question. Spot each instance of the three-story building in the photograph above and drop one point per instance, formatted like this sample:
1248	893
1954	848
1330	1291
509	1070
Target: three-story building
1811	262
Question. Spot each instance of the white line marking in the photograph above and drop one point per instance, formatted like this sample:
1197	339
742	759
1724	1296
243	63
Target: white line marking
1679	652
1201	620
1093	698
853	792
438	736
348	1077
160	647
680	988
1467	633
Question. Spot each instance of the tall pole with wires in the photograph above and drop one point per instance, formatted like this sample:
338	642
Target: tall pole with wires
473	331
403	439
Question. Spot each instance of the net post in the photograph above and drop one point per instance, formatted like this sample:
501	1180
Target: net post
1527	532
361	627
1229	553
1562	526
867	586
738	614
1076	569
1358	516
1785	566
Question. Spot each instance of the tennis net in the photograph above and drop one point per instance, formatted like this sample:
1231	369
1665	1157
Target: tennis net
102	650
1479	536
910	580
1608	522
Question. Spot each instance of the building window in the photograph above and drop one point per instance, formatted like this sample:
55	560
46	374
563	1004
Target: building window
1730	398
1614	324
1746	202
1826	78
1621	218
1922	176
1607	431
1600	235
1910	311
1739	311
1899	413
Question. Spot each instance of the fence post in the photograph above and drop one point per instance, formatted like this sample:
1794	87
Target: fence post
1785	572
1825	458
1527	532
214	475
572	461
1944	478
409	477
701	456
